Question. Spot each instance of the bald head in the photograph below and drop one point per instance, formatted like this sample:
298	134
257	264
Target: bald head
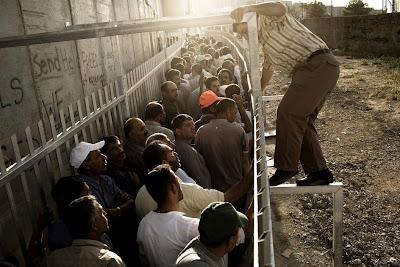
135	130
169	91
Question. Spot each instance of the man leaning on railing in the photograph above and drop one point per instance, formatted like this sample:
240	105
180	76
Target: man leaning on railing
292	48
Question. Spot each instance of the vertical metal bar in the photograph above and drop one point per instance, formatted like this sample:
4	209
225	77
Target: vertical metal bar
38	176
3	168
50	167
64	128
256	87
103	116
111	112
80	113
58	152
73	124
16	219
88	114
338	228
25	187
99	132
125	89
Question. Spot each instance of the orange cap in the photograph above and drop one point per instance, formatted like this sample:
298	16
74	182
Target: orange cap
208	98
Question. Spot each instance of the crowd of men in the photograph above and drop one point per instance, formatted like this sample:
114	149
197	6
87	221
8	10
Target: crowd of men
174	190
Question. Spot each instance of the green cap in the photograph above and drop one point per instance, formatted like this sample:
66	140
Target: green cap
219	221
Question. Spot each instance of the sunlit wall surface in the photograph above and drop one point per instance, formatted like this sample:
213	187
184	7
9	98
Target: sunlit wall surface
215	6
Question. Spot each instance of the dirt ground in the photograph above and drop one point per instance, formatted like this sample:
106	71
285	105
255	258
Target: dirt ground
359	130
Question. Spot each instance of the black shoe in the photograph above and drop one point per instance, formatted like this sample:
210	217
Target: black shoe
323	177
281	176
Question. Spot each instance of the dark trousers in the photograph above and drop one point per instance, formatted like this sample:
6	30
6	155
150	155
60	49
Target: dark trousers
296	136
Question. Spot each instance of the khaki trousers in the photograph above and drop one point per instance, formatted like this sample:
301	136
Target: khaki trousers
296	136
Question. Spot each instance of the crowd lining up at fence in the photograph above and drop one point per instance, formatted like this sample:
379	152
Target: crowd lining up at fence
161	194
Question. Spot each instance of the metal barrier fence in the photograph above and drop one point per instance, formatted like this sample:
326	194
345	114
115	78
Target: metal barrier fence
104	112
101	114
246	53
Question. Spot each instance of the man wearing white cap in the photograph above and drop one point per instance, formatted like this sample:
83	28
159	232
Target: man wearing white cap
91	165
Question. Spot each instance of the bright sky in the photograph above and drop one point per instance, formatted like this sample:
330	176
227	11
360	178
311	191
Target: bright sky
376	4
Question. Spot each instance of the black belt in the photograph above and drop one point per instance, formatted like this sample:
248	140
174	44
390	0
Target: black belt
320	52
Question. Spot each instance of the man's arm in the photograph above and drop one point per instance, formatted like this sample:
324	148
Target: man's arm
270	9
239	189
266	75
243	115
242	187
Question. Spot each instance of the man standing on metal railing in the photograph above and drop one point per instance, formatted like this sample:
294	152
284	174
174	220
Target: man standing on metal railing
292	48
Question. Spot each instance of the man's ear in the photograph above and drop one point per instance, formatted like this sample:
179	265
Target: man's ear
178	131
174	188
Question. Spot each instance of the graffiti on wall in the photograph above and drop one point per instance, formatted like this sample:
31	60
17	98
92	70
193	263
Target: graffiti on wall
13	95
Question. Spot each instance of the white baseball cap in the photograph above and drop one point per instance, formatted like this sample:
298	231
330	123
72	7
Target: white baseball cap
81	151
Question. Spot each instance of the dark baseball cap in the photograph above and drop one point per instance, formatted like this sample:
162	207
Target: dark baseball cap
219	221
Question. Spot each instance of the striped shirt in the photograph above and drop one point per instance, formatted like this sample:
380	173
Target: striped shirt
286	41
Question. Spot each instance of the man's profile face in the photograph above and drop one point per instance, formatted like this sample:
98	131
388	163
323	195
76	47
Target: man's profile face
214	86
187	130
101	221
176	80
96	162
172	92
139	132
171	157
225	78
115	152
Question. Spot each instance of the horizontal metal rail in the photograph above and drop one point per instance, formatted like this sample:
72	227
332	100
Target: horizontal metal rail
267	98
114	28
336	189
292	189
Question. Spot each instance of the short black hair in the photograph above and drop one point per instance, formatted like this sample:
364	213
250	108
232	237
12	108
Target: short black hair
224	105
65	191
158	182
175	60
172	73
232	89
225	70
197	68
225	50
80	216
108	140
153	109
164	86
178	120
180	67
209	81
153	155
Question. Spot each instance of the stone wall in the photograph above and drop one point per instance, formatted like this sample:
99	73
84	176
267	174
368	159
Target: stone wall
39	80
376	35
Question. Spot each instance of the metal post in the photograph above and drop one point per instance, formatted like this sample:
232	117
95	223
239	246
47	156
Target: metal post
338	228
267	246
